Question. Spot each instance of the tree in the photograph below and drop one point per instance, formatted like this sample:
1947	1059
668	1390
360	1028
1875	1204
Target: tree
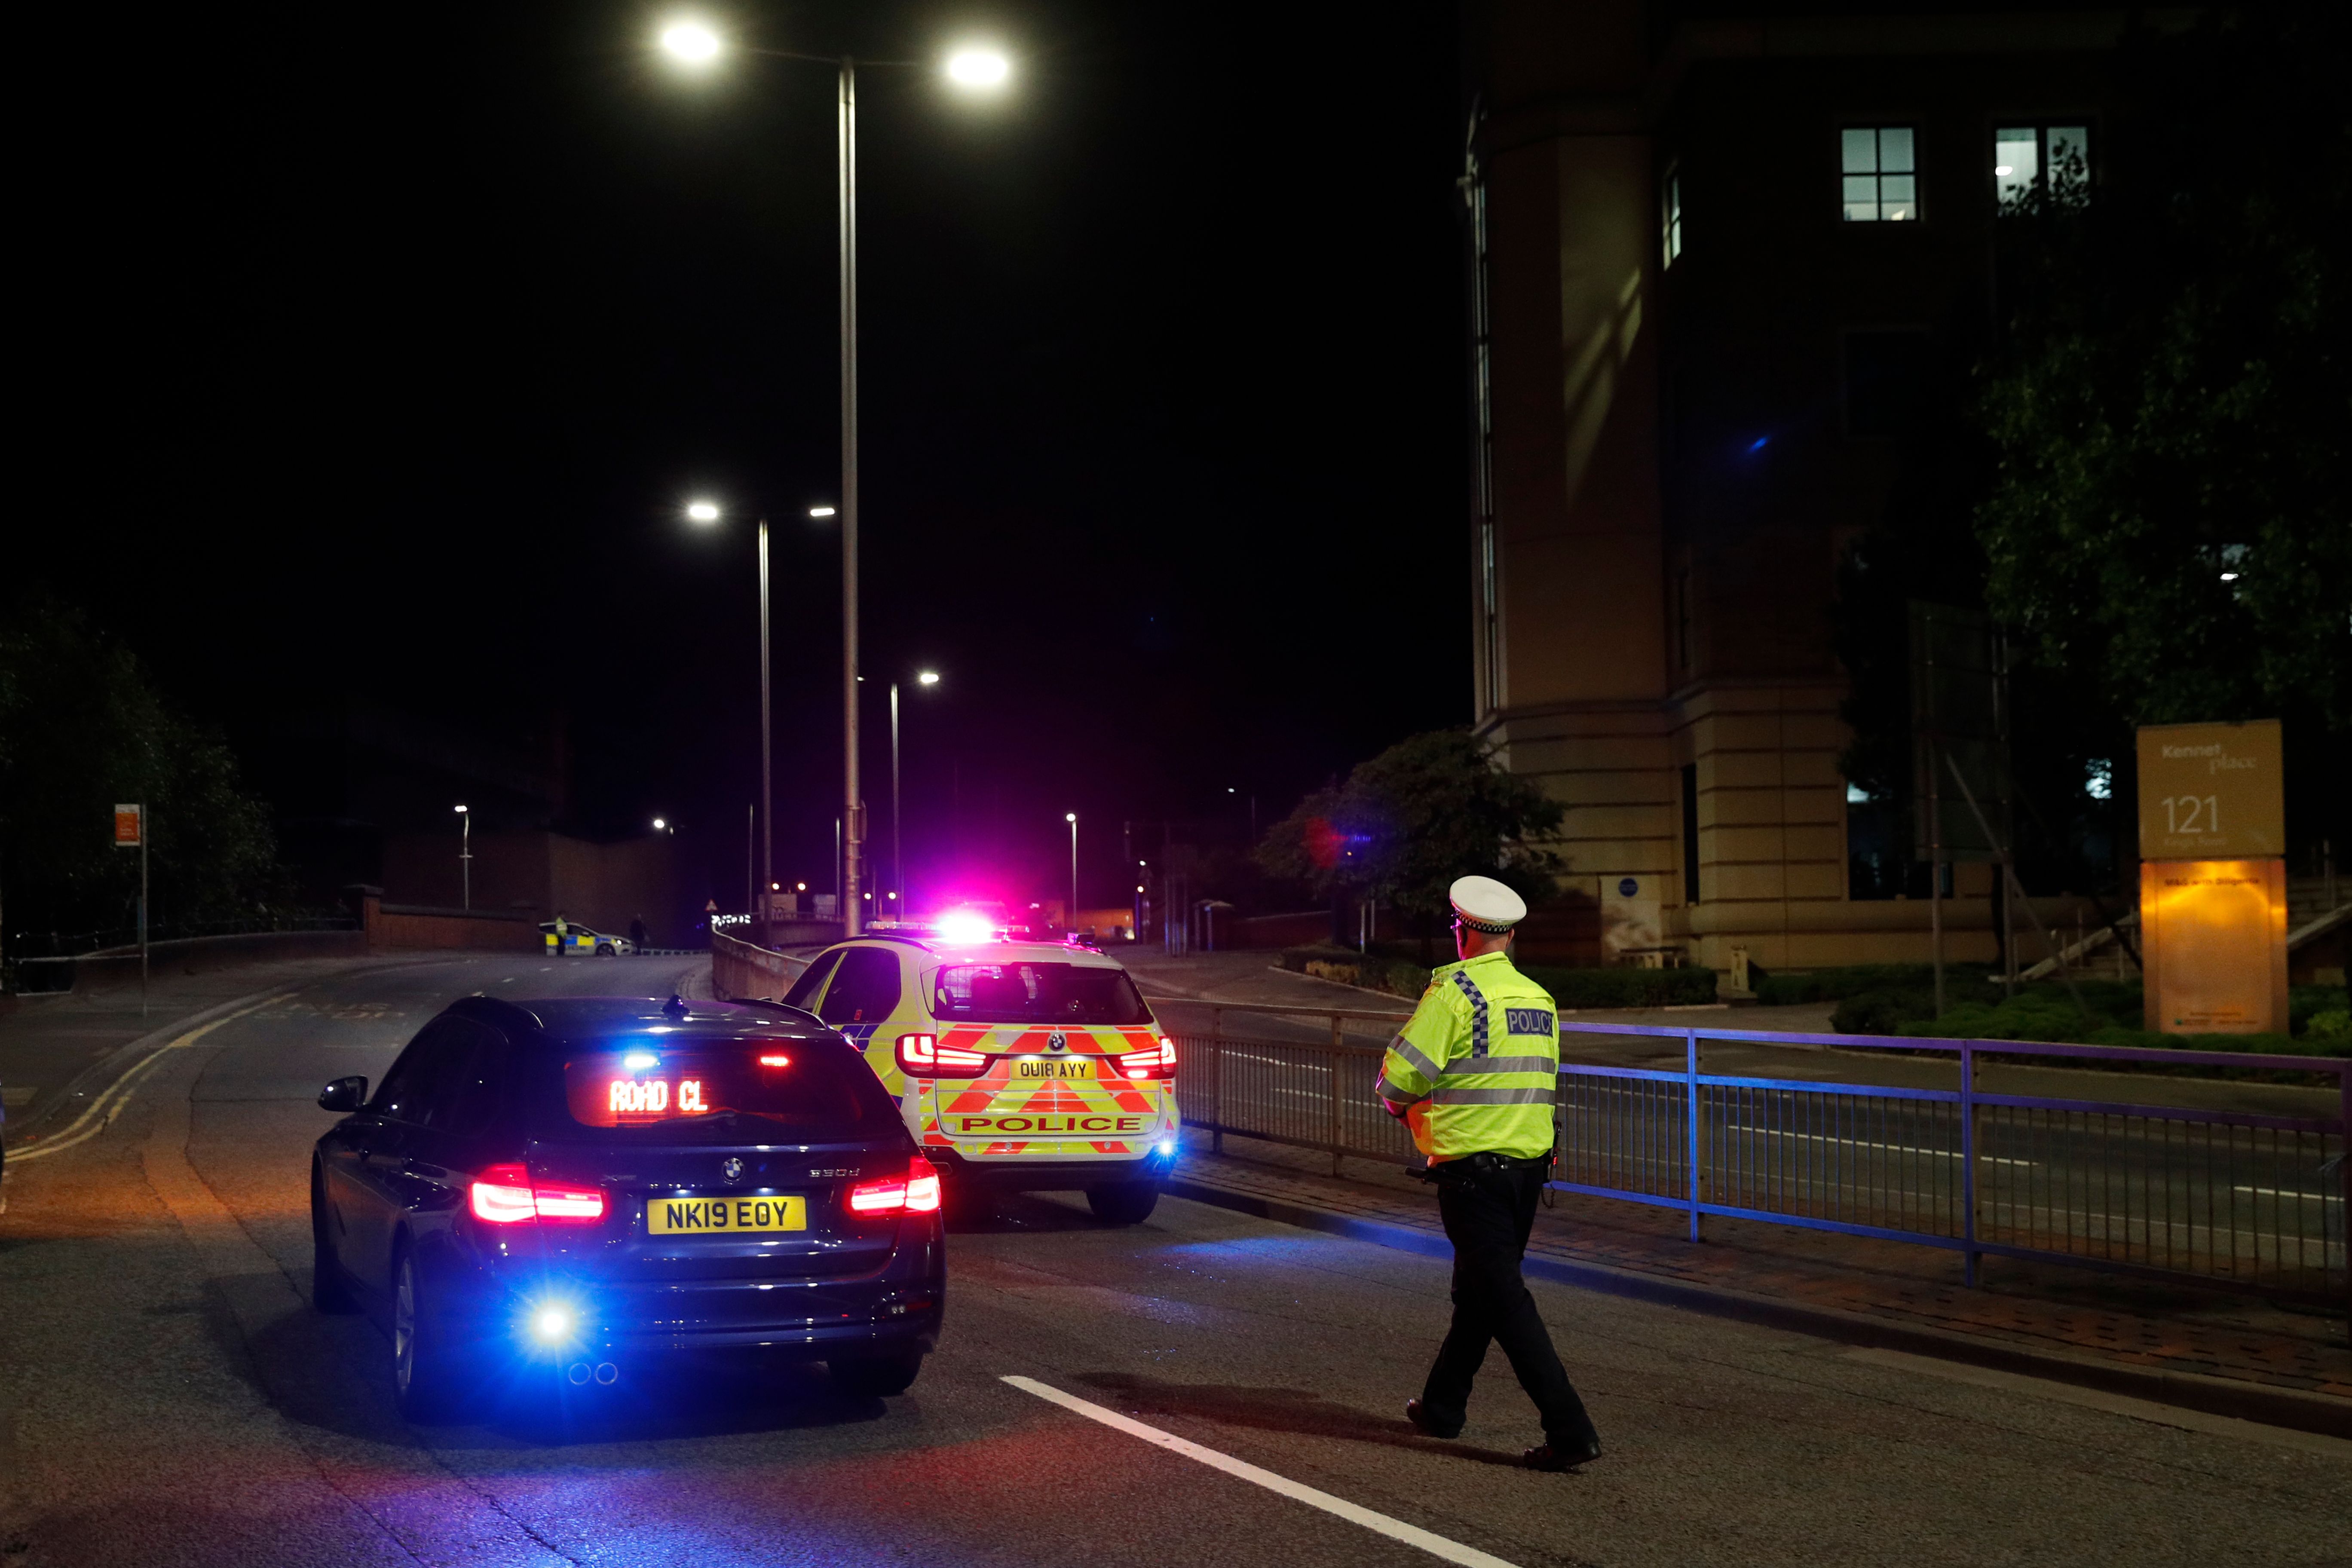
2169	525
1429	809
81	729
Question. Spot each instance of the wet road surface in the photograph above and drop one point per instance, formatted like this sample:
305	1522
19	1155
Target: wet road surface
169	1399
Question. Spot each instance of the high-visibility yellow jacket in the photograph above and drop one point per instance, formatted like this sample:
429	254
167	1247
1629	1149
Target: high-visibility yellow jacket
1478	1062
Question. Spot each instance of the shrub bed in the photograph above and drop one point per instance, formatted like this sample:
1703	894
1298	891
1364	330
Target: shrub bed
1573	989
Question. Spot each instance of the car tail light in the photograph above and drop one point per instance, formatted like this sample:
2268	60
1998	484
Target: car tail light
917	1192
1153	1061
505	1195
922	1056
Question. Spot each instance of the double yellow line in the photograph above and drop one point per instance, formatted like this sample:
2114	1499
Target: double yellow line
101	1112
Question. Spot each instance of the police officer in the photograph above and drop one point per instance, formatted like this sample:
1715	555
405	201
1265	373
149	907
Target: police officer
1473	1074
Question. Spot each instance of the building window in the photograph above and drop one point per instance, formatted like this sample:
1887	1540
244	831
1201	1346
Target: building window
2026	157
1880	175
1885	381
1690	832
1670	215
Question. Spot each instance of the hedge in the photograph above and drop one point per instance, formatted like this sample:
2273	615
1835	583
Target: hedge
1573	989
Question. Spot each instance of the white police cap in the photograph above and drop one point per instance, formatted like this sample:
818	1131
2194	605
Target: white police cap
1484	904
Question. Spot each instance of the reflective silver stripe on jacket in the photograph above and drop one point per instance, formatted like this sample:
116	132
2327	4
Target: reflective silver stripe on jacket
1445	1096
1413	1057
1388	1090
1469	987
1463	1066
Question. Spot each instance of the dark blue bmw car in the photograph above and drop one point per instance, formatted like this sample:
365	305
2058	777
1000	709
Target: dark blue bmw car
567	1189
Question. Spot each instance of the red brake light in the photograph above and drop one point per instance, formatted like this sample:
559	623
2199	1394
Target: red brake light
505	1195
1153	1061
775	1059
918	1191
922	1056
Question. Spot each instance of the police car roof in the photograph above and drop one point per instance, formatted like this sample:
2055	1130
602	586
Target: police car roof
599	1017
1012	952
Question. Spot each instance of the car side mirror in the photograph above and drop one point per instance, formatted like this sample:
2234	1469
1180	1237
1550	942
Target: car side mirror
345	1094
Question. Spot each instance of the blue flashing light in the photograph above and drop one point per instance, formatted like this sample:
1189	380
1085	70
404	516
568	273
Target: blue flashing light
554	1323
1757	445
1167	1145
638	1061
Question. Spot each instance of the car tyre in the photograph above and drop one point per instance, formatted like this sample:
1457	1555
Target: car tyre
427	1372
878	1375
604	950
1124	1203
331	1288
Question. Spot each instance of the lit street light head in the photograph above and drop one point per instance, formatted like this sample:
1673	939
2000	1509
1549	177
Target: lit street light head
929	677
702	512
821	511
977	69
690	43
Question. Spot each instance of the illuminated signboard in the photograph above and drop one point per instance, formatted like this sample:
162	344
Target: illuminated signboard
2210	792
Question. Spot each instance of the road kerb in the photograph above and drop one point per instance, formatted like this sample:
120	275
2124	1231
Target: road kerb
2288	1407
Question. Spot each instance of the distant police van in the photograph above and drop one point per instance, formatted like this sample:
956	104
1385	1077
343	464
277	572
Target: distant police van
1018	1065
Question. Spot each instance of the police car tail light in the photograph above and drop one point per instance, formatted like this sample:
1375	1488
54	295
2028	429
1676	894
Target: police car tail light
917	1192
1153	1061
505	1195
922	1187
922	1056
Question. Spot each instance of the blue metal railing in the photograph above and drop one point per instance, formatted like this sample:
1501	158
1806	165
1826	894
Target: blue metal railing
2245	1199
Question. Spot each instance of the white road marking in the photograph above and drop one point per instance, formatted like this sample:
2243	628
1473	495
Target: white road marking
1379	1523
2291	1192
2113	1404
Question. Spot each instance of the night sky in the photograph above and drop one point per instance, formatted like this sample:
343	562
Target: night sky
377	348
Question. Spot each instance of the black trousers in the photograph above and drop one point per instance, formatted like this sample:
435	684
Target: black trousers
1488	1215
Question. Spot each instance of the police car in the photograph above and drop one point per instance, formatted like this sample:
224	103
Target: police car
579	940
1017	1066
568	1192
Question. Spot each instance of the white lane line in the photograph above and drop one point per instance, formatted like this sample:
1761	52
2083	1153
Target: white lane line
102	1110
1379	1523
2291	1193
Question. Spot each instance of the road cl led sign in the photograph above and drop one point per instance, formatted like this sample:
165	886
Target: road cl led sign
2211	792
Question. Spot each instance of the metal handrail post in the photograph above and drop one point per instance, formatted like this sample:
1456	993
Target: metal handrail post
1690	1080
1336	1054
1969	1157
1217	1084
2344	1177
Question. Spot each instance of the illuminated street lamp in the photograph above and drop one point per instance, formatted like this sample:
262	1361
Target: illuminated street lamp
466	853
707	513
897	865
1072	818
695	44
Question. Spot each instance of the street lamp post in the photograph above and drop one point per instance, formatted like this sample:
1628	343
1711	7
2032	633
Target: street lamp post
1072	818
466	853
695	44
707	512
897	839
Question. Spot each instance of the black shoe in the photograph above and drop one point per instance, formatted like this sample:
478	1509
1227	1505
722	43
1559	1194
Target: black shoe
1560	1456
1418	1414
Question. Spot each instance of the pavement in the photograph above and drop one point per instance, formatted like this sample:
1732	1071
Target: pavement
2210	1348
1211	1386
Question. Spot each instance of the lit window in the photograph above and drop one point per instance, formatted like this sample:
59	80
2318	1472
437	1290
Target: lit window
2025	155
1879	173
1670	212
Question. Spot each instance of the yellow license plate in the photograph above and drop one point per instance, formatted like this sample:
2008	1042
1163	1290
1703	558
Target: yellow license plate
1053	1067
673	1216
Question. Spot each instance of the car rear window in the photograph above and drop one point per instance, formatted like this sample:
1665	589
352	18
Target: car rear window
1036	993
665	1090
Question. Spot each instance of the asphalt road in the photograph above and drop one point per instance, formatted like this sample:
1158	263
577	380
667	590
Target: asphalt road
169	1397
